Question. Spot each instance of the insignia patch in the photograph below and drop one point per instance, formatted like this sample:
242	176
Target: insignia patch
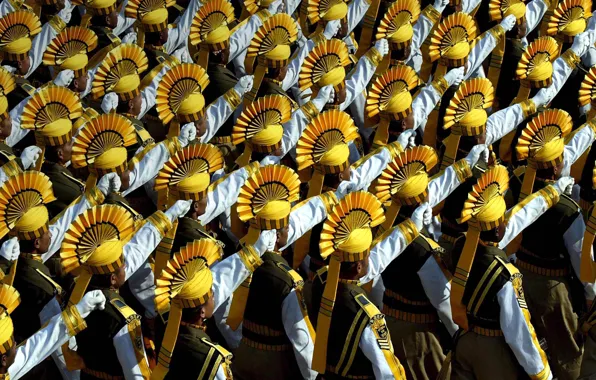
516	281
139	343
381	331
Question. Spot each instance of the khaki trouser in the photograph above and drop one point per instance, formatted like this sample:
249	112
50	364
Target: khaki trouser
548	300
417	348
252	364
479	357
588	369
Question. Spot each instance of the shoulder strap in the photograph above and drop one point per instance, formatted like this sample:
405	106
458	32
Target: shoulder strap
492	273
321	272
27	87
126	311
217	356
297	280
381	332
80	184
298	284
57	288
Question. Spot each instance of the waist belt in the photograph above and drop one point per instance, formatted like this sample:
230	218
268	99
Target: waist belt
521	264
409	317
334	371
448	238
584	204
261	330
487	332
221	140
101	375
266	347
402	308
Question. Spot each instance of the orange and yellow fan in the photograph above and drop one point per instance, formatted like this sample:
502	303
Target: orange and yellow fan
450	45
180	97
151	16
260	126
346	237
251	7
498	10
22	209
270	48
51	112
569	19
324	146
325	66
588	266
542	143
9	300
120	71
265	202
466	115
405	181
17	30
320	12
69	49
185	282
397	26
101	145
186	176
389	98
210	29
484	211
587	93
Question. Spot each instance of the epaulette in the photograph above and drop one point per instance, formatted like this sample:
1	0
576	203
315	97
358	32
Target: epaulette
213	361
126	311
297	280
80	184
492	273
369	308
27	87
322	274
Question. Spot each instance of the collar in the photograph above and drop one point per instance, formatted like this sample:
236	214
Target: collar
488	243
192	325
32	256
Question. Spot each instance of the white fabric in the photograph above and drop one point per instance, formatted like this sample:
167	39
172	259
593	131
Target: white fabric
422	29
356	11
479	53
358	81
38	47
469	5
502	122
223	196
561	72
220	316
228	274
123	22
297	331
370	348
149	92
138	249
535	11
39	346
6	8
126	354
423	104
148	167
304	219
59	228
438	290
518	334
370	169
522	219
442	186
293	69
142	286
240	40
573	239
178	36
575	148
217	113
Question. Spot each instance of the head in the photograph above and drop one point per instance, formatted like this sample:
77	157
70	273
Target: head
278	74
353	270
7	359
79	84
333	180
125	180
201	125
495	235
553	173
340	97
112	280
197	209
343	29
22	65
110	20
131	107
197	315
282	237
401	54
396	127
5	128
60	154
37	246
220	57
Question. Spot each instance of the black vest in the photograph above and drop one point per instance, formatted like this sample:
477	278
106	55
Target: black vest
66	187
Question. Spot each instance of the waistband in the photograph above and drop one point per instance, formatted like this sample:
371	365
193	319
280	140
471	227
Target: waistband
487	332
221	140
404	309
521	264
333	370
261	330
266	347
101	375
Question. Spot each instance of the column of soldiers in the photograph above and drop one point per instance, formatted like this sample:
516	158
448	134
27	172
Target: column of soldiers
314	189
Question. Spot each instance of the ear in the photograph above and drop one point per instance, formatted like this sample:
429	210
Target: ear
203	312
75	83
4	361
113	279
37	243
131	105
60	153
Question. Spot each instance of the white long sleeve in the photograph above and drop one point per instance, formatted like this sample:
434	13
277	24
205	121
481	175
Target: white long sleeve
123	22
370	169
178	36
502	122
469	5
423	105
293	69
561	72
39	45
438	290
39	346
479	53
142	287
535	11
358	80
149	92
240	39
356	11
148	167
58	228
370	348
17	133
123	343
442	186
217	113
519	334
6	8
304	219
574	239
524	217
224	195
228	274
422	29
575	148
297	331
138	249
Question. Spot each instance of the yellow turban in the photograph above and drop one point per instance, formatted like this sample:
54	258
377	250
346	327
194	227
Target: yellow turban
279	53
336	12
274	210
543	70
57	128
111	159
473	119
127	84
414	186
75	62
193	103
403	34
333	77
108	252
335	156
32	220
195	183
20	46
574	28
3	105
6	331
399	102
492	211
518	10
218	35
550	151
198	286
156	16
268	136
458	51
359	240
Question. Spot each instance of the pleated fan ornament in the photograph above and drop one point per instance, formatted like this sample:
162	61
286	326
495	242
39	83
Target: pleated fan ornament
535	68
324	146
325	66
151	14
466	114
186	282
484	210
587	92
17	30
326	10
542	143
101	145
271	47
251	7
569	19
23	212
405	181
260	126
397	26
120	71
346	237
7	85
210	28
450	41
69	49
9	300
389	98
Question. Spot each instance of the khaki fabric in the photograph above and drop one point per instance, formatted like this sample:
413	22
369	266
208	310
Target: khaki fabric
548	300
588	368
252	364
479	357
417	348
